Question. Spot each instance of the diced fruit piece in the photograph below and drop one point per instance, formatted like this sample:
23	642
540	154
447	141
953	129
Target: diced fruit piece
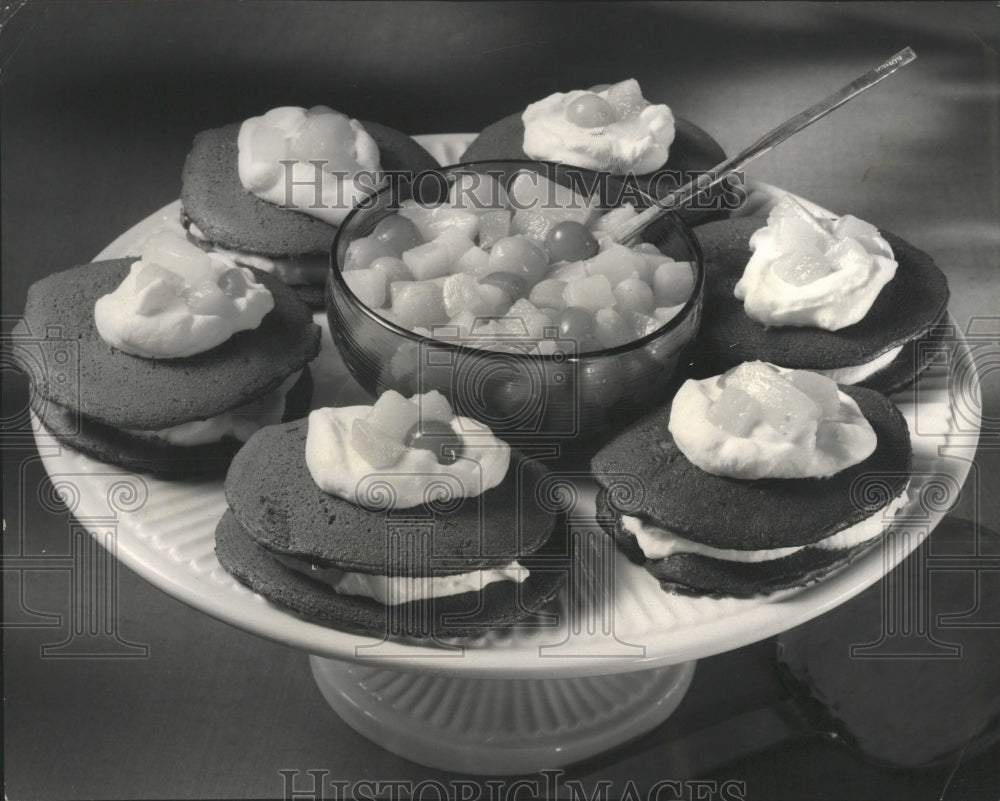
548	293
514	285
617	263
417	303
747	372
590	111
789	208
368	286
438	438
862	232
363	251
642	324
462	323
375	447
667	313
433	220
517	255
434	406
475	261
821	389
207	298
649	249
328	137
795	234
570	270
531	225
175	253
570	241
787	409
394	415
801	267
462	292
392	268
615	218
429	260
533	192
156	297
575	323
847	253
626	99
735	411
496	299
534	320
151	271
233	282
593	293
269	144
652	258
456	242
397	233
477	193
493	226
634	294
673	283
610	328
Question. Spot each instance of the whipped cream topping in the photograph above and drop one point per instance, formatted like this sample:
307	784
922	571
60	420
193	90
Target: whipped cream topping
240	423
299	271
416	477
177	301
773	429
330	161
634	136
811	271
395	590
659	543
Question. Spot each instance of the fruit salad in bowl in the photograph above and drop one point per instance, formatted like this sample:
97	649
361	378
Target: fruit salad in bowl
500	285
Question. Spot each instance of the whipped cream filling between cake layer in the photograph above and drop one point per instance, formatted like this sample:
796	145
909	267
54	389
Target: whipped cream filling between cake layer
299	271
659	543
859	372
240	423
395	590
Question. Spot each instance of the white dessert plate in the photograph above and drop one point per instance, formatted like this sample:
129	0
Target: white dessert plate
613	616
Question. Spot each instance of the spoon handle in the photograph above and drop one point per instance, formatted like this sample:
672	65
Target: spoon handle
804	119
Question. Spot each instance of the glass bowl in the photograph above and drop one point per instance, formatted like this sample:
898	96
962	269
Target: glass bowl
518	392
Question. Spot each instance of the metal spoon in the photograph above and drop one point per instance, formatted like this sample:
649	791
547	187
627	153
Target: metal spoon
680	197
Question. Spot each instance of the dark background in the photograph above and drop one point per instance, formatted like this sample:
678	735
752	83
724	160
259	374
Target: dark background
99	105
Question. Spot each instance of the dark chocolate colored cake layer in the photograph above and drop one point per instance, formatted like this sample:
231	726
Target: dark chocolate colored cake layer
668	491
118	389
214	199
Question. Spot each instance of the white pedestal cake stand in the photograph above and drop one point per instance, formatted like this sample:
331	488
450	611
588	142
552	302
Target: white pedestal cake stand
619	654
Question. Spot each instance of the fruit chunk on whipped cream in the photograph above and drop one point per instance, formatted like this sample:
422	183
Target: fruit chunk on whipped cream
316	161
516	266
611	128
761	421
177	300
403	452
812	271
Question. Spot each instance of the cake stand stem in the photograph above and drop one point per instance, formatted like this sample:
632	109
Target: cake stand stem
499	726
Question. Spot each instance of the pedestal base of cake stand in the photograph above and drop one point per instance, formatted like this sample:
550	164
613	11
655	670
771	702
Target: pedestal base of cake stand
499	726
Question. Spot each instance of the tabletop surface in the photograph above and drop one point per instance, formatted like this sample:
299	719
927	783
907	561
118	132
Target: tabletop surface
100	103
